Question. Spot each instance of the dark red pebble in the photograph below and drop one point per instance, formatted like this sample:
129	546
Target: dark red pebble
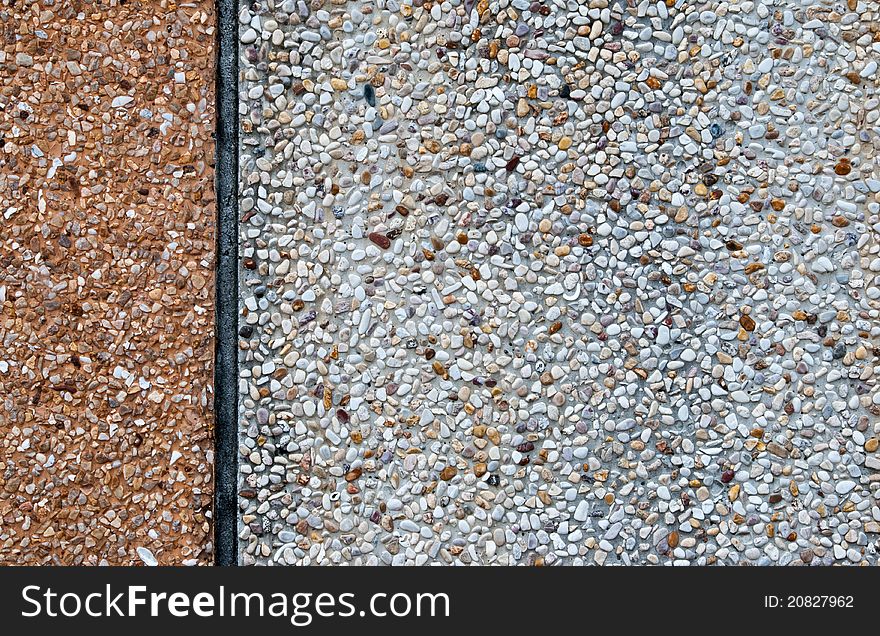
380	239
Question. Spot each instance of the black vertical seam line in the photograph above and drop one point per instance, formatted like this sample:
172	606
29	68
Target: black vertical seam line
226	324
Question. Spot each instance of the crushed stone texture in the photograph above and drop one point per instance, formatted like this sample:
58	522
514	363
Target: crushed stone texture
559	282
106	282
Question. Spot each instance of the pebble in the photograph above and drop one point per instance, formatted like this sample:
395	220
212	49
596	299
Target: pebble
147	557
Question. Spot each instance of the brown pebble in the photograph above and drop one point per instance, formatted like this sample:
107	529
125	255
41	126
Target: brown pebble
380	239
439	369
493	435
776	449
448	473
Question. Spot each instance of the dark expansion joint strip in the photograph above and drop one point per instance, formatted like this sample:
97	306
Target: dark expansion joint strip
225	371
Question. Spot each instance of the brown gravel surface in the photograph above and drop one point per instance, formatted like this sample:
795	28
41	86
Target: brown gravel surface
106	283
